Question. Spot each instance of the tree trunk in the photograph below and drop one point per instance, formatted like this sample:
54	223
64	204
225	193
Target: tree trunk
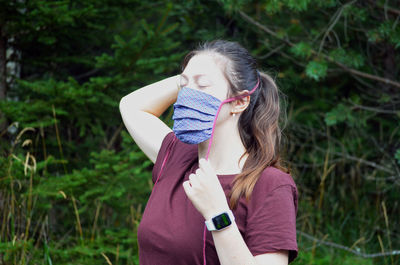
3	83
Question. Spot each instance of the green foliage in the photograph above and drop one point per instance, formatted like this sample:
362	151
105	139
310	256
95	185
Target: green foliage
397	156
302	49
347	57
233	5
342	113
387	30
273	6
73	185
89	182
338	114
316	70
298	5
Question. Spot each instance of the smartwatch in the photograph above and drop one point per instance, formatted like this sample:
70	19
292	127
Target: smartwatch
220	221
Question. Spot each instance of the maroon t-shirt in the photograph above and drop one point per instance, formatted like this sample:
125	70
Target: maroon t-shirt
171	229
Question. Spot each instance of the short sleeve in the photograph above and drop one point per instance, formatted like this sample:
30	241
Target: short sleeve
271	222
166	146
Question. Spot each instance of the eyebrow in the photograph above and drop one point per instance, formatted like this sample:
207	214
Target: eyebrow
195	76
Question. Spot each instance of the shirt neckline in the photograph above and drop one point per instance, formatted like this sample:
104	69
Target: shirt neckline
196	166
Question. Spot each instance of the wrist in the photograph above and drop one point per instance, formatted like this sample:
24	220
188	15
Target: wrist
220	221
214	212
231	227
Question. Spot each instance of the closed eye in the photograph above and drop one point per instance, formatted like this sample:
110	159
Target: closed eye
203	81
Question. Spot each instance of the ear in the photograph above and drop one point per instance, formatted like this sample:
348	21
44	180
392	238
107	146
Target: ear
239	105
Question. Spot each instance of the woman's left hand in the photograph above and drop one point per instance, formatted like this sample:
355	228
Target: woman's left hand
205	191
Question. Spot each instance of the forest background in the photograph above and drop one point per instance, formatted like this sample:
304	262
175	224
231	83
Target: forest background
73	184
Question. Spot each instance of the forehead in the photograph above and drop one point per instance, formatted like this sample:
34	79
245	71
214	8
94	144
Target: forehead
204	64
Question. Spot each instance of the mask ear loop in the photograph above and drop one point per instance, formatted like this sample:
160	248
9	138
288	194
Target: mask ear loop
219	109
210	143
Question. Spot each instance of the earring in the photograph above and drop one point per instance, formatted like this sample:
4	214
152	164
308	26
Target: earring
234	115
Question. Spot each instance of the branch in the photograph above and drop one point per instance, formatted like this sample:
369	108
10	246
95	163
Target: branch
335	245
3	75
336	19
374	109
363	74
344	67
114	136
393	10
264	28
299	128
360	160
292	59
275	50
387	8
89	73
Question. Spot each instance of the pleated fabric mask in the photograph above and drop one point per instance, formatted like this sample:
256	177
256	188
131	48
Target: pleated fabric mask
194	114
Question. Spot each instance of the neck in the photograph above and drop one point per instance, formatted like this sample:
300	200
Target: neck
225	153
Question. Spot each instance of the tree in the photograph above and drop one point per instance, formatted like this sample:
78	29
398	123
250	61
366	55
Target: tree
337	63
68	165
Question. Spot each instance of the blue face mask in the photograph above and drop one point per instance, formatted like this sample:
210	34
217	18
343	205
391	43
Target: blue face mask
195	115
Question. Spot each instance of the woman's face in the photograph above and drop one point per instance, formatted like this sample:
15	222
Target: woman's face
203	73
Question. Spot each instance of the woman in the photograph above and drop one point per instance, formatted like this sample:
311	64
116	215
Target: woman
220	194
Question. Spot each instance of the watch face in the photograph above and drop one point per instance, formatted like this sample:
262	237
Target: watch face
221	221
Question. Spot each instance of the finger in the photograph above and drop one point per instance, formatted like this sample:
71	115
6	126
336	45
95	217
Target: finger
206	167
200	174
198	171
187	188
193	179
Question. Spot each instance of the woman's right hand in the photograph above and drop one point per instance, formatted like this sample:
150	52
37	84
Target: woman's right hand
141	109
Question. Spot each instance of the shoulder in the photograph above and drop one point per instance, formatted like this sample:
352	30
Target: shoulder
172	145
173	153
272	178
274	185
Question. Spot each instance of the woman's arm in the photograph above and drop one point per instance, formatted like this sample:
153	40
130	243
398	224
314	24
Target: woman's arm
140	111
232	249
205	192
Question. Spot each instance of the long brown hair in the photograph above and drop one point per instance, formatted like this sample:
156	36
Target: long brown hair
259	124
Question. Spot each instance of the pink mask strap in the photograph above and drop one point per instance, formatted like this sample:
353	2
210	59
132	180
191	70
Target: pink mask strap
210	143
219	109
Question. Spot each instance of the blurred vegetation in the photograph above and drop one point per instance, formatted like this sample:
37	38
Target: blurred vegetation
73	184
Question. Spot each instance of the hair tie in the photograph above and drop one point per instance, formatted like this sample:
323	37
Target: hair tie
257	84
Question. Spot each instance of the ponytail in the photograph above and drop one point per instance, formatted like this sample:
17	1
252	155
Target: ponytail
260	133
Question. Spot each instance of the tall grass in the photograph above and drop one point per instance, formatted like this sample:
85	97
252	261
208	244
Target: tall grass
344	200
89	216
